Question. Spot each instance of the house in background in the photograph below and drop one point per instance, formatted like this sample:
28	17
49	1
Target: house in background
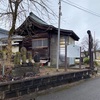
98	54
3	40
3	35
41	37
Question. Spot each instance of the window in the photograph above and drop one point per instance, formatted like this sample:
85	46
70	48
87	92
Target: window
39	43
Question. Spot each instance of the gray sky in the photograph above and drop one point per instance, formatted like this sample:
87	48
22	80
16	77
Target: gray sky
77	20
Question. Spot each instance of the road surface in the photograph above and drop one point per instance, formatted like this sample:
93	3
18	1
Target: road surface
88	90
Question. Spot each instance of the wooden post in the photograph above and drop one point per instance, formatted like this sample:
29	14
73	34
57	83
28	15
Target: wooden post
91	63
66	54
80	59
3	70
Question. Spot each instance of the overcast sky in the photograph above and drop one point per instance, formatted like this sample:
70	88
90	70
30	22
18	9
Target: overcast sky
78	20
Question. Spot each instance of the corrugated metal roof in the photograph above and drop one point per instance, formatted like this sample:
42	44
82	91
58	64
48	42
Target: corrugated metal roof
4	36
3	33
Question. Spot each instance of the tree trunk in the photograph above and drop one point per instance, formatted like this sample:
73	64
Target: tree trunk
9	51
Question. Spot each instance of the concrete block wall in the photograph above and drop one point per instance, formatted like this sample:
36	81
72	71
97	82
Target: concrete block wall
23	87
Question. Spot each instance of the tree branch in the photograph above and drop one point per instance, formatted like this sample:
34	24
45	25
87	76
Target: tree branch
10	2
4	14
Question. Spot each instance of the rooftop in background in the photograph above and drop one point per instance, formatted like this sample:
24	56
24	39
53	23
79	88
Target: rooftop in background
4	37
3	33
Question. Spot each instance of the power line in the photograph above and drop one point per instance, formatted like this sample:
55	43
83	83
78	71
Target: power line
81	8
88	10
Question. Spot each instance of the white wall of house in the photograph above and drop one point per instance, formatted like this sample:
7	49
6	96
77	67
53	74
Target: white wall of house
15	49
53	50
71	40
71	60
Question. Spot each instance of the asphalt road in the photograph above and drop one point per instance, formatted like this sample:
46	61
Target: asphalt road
88	90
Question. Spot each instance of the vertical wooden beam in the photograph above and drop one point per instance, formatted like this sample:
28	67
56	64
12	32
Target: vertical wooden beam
65	55
49	41
80	59
91	63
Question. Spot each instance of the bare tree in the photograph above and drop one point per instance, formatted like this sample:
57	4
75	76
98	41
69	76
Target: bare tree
96	47
85	45
13	11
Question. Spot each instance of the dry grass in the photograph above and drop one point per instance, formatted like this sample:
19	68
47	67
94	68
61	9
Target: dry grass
53	71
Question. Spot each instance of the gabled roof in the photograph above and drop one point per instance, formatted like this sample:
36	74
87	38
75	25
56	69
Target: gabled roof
43	25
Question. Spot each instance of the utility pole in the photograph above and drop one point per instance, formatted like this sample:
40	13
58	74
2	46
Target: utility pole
58	42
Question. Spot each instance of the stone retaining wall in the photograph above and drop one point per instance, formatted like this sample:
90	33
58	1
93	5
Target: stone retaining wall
26	86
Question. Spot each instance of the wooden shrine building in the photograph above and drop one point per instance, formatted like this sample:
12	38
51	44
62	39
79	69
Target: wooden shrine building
41	37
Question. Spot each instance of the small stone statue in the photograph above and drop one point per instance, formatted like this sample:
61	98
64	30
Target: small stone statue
36	57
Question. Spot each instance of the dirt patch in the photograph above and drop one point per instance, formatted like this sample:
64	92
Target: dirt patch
53	71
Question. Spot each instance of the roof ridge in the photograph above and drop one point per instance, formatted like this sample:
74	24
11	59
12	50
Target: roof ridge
37	19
